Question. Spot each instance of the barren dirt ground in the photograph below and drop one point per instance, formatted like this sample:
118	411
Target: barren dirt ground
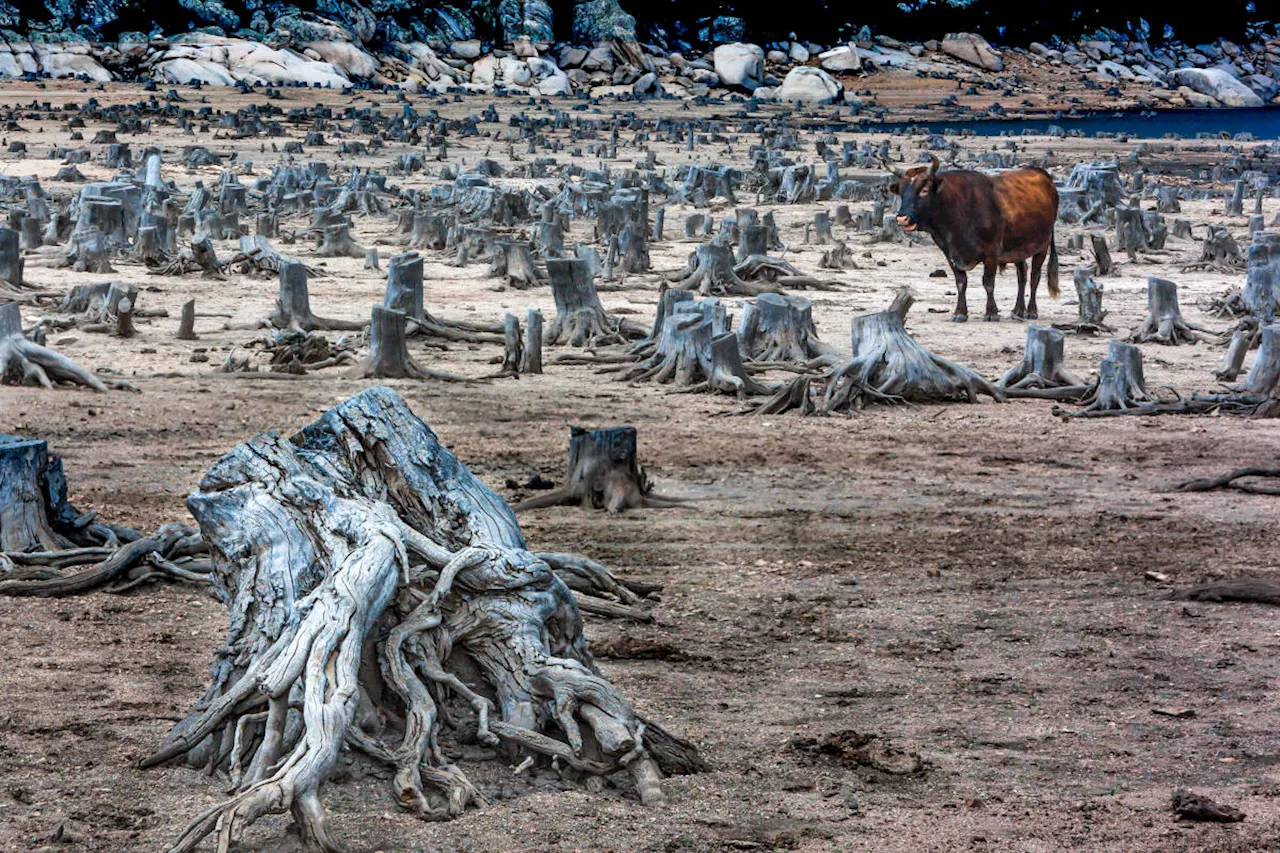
964	581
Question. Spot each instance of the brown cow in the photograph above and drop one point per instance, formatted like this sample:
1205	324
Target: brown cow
991	220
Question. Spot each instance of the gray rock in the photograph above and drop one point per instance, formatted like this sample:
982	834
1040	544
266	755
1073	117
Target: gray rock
644	84
808	85
469	49
571	57
776	57
844	58
799	53
1264	86
973	49
1217	84
740	65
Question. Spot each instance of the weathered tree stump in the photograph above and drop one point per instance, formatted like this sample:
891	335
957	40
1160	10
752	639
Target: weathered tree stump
1121	385
780	329
1090	315
205	257
1264	374
24	362
337	242
1235	201
1233	358
124	327
603	474
1181	229
513	347
1043	364
694	225
888	366
1167	200
754	240
378	531
429	232
88	250
512	261
839	257
293	307
34	512
1220	249
1131	230
631	248
371	258
710	273
580	318
187	324
531	356
1102	263
389	350
1164	323
1261	292
822	235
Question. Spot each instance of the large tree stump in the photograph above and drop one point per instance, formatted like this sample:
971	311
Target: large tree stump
631	248
34	512
1164	323
1131	230
1264	374
710	273
1121	385
429	232
753	240
293	307
1090	315
375	531
697	353
389	350
512	261
603	474
1219	250
88	250
24	362
337	242
580	319
1043	364
780	329
11	261
888	366
1261	292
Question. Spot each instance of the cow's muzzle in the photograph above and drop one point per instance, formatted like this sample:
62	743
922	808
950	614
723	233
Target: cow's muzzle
906	223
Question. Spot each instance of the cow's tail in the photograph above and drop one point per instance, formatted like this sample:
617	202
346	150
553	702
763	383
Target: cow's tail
1054	290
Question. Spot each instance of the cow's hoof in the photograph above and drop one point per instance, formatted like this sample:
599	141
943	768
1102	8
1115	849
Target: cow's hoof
992	318
960	318
1032	315
1017	315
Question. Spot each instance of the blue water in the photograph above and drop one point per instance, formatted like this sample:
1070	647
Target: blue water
1262	122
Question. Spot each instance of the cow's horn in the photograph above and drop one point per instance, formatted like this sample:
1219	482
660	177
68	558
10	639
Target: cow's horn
897	173
933	166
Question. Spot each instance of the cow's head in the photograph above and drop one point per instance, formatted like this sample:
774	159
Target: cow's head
918	188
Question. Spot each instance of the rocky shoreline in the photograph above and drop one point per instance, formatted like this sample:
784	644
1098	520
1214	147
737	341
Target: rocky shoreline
1108	70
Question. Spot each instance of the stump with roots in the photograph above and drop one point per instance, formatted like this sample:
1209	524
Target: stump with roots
37	516
293	307
336	242
780	329
753	239
88	250
839	257
888	366
697	353
630	248
1042	366
580	319
1121	385
1219	250
1090	315
429	232
24	362
1131	230
364	528
710	273
1164	323
1261	292
512	261
404	294
1264	374
603	474
389	350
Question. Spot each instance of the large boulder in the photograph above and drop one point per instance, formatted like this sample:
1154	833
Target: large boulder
58	60
809	85
595	21
186	70
973	49
1217	84
1265	86
346	56
740	65
843	58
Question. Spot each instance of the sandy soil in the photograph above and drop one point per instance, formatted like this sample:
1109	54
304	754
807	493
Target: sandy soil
965	581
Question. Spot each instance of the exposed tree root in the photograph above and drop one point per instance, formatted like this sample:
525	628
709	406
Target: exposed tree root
1231	480
363	525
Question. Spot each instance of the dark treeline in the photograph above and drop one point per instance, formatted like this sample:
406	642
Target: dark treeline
822	21
1009	21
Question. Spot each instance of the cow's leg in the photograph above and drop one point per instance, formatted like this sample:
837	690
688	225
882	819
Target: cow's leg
1019	307
1037	263
962	305
992	314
